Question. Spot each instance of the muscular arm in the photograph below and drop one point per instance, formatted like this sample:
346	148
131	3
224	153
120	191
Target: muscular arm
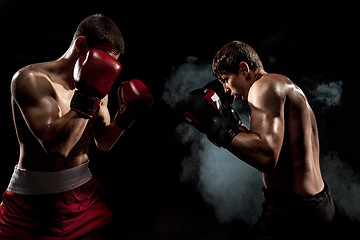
106	133
261	146
57	132
134	99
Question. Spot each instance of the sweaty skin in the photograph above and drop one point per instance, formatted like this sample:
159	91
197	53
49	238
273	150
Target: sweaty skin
51	136
282	141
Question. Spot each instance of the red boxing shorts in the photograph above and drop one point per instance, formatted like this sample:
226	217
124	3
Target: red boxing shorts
78	213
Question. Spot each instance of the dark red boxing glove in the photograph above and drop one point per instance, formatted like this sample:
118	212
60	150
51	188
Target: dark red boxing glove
94	74
134	100
226	99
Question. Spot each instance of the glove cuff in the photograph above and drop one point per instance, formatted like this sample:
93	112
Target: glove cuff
85	105
123	121
223	139
222	131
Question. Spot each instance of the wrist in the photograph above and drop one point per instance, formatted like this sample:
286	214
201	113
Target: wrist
222	131
122	121
85	105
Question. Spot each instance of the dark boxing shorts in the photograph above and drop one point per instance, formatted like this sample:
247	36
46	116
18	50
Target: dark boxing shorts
293	216
78	213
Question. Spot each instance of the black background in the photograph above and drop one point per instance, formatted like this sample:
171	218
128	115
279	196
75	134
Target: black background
141	173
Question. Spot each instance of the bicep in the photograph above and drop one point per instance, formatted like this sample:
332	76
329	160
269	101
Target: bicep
34	97
267	118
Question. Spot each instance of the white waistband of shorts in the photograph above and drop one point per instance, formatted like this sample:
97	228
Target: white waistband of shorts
36	182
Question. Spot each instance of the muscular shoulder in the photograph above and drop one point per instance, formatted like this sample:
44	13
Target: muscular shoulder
269	90
274	90
272	81
29	82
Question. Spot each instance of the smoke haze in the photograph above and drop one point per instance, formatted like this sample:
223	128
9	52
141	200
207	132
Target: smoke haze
344	184
188	76
231	186
323	96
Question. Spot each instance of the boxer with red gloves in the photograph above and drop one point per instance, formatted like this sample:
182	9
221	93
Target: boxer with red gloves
134	100
58	106
94	74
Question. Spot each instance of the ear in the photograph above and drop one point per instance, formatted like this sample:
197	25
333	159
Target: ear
244	68
81	45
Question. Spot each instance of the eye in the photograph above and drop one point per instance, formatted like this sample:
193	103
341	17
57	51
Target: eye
223	80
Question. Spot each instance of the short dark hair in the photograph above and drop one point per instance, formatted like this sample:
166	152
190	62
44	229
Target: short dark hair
229	57
99	30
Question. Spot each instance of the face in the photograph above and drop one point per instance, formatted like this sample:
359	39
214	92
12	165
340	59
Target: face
83	47
235	83
109	50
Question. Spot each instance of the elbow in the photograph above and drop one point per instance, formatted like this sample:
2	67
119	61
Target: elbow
268	157
104	147
268	163
267	167
56	151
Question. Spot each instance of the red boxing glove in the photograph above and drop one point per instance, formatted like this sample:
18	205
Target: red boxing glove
134	100
94	74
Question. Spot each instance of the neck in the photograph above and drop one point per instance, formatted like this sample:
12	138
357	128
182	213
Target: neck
258	74
254	76
65	65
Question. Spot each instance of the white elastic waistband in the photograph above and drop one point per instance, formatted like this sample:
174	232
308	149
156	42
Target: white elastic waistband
36	182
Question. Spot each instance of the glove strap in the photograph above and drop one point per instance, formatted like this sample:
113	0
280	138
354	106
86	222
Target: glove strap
85	105
122	119
123	123
222	131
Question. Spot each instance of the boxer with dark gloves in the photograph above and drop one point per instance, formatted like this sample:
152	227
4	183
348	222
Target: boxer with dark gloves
204	109
58	106
282	142
226	101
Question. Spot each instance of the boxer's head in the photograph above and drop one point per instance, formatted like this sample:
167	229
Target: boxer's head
232	65
100	32
229	57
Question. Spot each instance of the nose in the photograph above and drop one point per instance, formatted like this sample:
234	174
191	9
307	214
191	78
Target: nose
224	86
226	89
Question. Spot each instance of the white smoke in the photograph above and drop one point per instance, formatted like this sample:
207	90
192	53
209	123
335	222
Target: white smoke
344	184
326	94
231	186
187	77
344	181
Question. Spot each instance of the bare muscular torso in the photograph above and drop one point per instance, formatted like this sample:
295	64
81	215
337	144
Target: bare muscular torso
297	169
49	78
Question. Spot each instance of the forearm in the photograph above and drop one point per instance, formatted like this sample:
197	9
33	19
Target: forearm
134	100
61	135
253	150
107	135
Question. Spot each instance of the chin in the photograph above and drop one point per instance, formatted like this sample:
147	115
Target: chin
239	96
